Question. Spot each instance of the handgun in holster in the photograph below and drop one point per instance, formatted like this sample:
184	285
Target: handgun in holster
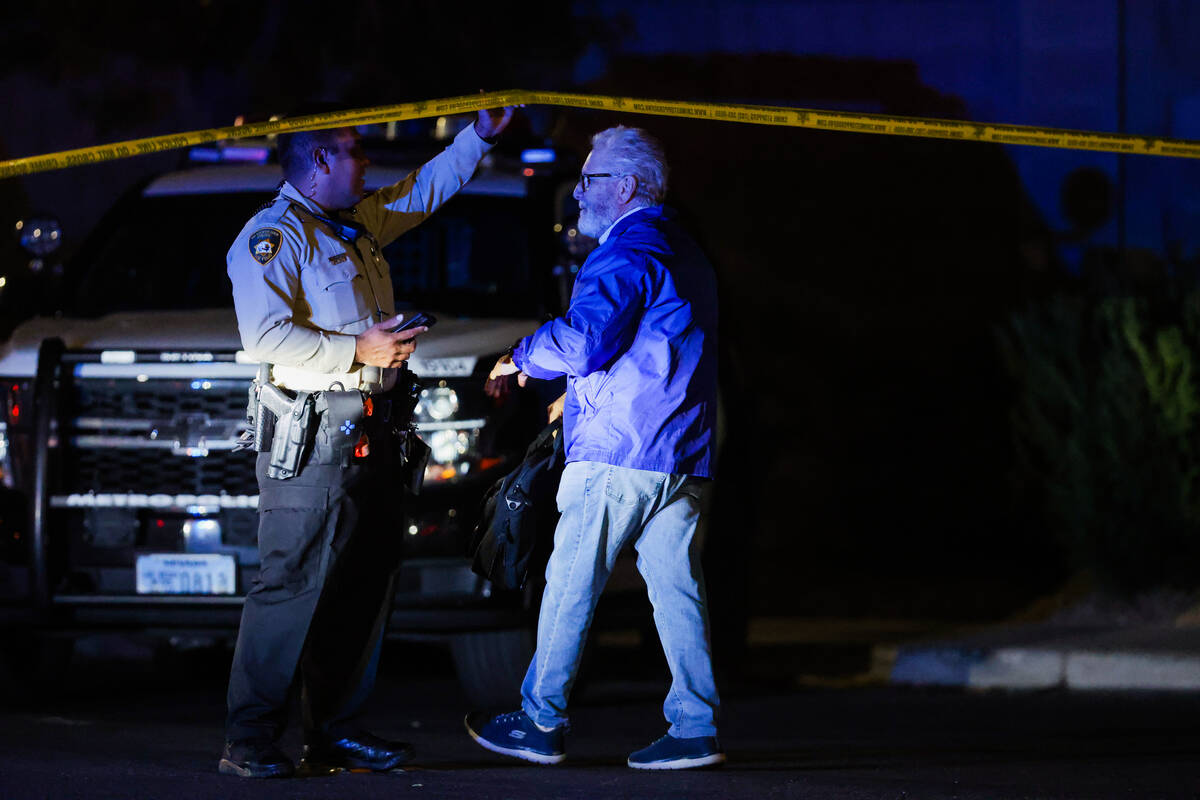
294	418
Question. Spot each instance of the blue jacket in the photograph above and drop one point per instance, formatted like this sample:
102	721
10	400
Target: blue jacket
639	348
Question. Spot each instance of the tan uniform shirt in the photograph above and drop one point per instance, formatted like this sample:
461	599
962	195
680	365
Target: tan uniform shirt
302	291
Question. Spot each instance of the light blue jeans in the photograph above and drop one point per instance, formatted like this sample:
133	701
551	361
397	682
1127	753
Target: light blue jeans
603	509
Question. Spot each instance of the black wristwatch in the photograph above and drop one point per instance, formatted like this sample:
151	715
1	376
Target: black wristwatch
489	139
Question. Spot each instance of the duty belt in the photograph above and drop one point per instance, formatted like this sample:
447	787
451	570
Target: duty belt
332	427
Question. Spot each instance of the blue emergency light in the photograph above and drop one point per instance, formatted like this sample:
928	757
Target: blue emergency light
538	155
243	154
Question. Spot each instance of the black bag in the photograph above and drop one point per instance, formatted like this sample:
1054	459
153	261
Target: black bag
515	510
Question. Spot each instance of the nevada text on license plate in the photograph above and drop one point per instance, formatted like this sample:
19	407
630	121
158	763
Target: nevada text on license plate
186	573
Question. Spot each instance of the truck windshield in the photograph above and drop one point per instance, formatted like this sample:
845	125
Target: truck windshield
168	253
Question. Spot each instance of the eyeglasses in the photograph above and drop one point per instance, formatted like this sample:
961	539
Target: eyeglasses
586	178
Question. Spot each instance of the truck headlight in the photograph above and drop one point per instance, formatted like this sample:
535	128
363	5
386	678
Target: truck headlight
453	452
449	446
452	441
436	404
450	416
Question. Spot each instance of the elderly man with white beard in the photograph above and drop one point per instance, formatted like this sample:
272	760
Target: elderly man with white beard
638	345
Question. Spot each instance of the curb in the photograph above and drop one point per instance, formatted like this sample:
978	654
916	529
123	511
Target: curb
1161	659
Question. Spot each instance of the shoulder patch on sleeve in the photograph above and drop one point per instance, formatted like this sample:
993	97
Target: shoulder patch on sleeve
264	244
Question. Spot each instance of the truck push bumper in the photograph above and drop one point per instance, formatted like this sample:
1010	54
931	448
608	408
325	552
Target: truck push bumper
432	596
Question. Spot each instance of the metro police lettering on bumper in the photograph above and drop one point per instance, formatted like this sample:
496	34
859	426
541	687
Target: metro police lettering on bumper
163	502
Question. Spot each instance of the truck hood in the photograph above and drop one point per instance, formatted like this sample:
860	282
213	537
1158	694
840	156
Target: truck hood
453	340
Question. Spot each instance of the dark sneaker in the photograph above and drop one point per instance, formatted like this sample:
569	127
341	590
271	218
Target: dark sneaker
254	759
672	753
515	734
362	752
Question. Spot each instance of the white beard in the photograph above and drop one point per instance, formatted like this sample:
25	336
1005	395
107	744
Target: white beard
591	225
596	217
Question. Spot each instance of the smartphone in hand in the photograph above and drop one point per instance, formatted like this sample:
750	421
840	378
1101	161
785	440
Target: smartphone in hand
418	320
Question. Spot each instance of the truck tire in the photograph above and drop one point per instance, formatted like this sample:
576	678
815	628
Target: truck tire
491	665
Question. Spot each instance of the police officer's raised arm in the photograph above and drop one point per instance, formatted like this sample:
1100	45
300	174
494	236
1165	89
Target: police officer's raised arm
394	209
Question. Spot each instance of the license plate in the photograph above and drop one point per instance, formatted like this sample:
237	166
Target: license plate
186	573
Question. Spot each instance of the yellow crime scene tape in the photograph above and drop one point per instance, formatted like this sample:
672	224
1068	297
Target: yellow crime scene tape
879	124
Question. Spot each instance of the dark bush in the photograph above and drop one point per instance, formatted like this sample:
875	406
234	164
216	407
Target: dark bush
1105	433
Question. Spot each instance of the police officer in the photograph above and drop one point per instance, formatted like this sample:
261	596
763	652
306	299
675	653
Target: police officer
314	299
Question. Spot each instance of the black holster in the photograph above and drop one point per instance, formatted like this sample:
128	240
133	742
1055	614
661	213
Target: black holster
291	438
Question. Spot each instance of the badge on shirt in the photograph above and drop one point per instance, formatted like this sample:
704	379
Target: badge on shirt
339	258
264	244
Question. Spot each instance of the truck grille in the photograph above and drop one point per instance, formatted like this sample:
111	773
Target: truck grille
163	436
154	471
161	399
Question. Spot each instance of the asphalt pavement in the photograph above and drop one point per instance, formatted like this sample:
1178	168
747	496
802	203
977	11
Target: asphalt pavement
128	725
